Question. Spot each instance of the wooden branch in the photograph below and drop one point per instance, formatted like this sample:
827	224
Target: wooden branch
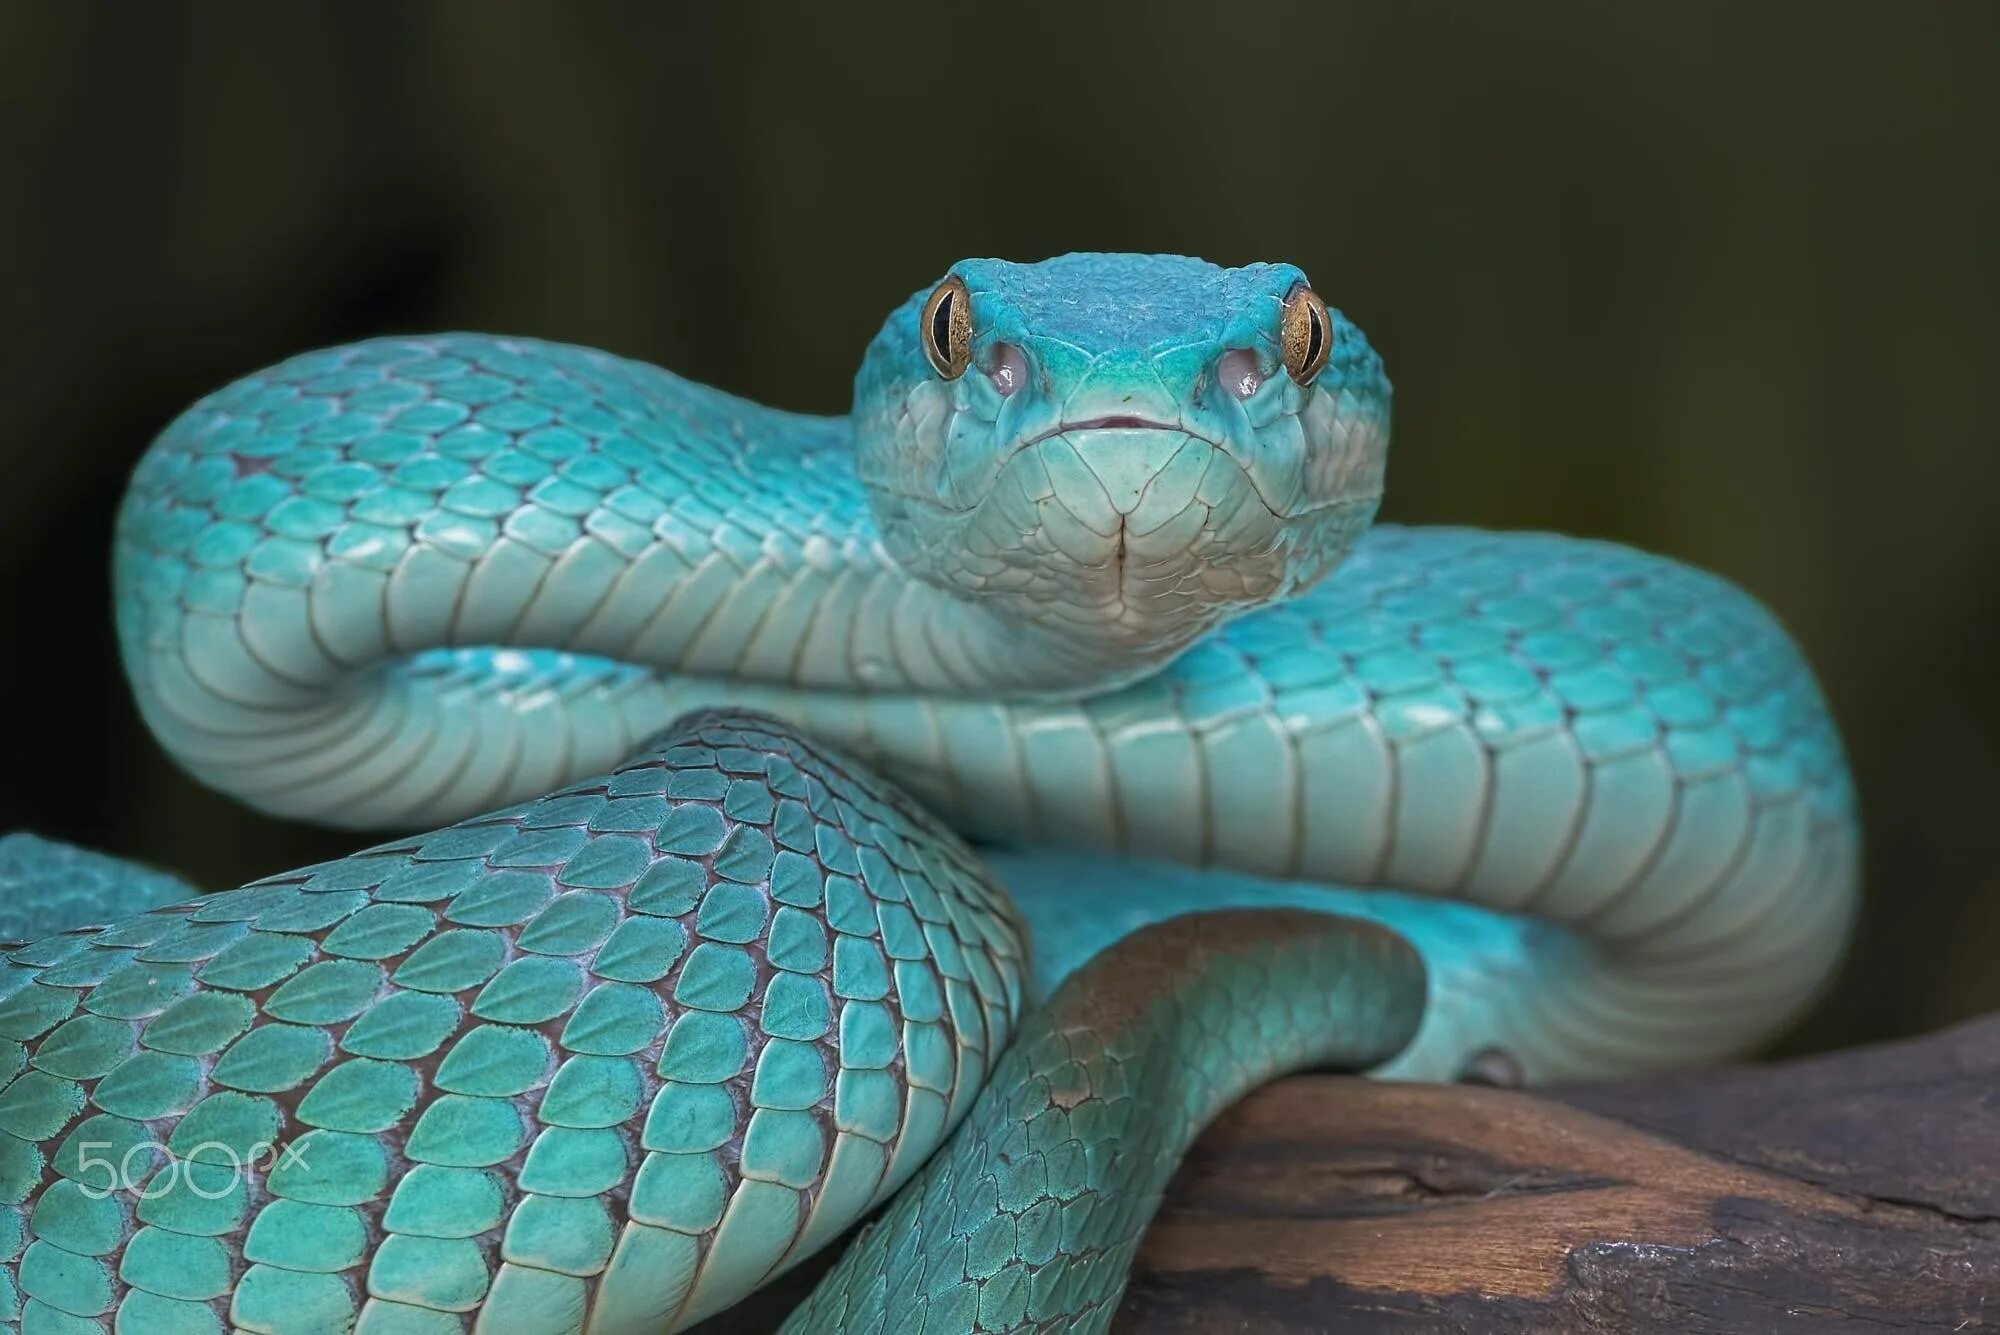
1860	1188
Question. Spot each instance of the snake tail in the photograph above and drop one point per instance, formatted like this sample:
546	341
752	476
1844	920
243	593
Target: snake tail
606	1060
1029	1219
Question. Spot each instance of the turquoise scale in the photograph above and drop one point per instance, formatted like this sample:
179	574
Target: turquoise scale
566	1058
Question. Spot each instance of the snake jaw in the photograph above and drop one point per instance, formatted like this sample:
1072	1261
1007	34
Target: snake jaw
1132	535
1131	540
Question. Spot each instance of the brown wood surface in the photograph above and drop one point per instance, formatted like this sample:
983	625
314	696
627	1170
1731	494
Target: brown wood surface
1858	1191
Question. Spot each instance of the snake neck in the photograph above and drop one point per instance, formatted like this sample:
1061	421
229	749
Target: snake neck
350	510
885	631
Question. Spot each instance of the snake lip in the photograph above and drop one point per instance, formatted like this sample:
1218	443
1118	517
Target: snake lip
1116	421
1111	423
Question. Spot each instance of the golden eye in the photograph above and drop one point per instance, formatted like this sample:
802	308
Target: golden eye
1306	334
947	329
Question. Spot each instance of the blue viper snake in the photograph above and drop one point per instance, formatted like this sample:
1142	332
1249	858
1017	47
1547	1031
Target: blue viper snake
947	808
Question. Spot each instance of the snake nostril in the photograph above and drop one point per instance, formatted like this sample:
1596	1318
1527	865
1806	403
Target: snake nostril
1007	368
1237	371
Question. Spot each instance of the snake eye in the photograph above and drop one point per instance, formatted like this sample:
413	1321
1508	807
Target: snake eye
1305	333
947	329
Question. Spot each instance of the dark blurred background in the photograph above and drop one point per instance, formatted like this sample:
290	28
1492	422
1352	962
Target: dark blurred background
1716	279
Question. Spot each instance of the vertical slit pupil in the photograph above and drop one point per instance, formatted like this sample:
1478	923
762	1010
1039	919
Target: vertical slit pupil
1315	341
941	327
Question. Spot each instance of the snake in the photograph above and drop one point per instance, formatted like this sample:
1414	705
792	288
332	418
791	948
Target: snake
938	813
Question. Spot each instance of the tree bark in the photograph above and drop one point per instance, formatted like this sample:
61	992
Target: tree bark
1861	1188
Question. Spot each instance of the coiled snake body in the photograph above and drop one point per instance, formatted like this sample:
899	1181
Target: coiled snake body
674	1002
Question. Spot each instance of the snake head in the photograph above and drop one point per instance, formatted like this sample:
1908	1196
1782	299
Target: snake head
1125	448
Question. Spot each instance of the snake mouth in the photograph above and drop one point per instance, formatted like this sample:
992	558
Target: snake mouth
1119	423
1114	422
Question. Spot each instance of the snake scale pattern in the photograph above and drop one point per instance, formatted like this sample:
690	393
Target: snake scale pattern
949	807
